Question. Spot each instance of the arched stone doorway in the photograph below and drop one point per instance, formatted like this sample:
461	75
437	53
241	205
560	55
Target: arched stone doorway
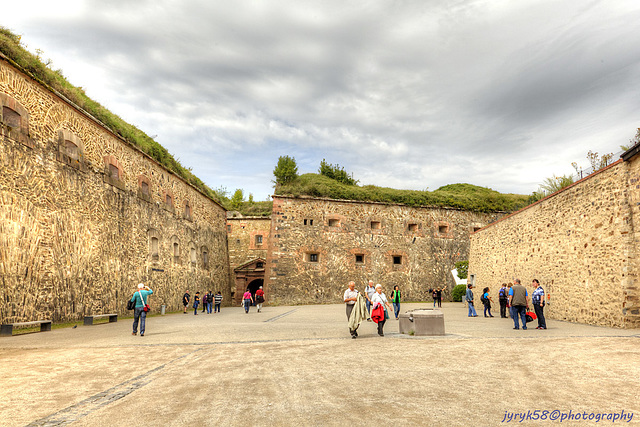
249	275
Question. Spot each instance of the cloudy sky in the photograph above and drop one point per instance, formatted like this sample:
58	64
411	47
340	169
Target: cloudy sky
405	94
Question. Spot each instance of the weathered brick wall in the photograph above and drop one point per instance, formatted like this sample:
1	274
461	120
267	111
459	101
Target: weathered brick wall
242	234
428	241
75	238
579	243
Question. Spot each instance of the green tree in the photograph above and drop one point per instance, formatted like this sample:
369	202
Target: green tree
286	170
237	199
463	269
336	172
250	198
555	183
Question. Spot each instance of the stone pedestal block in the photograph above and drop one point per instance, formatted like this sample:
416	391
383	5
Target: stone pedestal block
423	322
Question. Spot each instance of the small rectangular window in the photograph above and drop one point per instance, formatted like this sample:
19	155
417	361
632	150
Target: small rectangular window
258	239
169	201
376	225
114	171
205	258
154	249
312	257
475	229
412	227
359	259
304	222
144	187
259	265
310	222
443	229
334	222
187	210
11	118
397	259
228	228
71	149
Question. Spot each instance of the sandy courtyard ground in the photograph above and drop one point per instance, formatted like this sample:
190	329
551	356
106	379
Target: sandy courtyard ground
298	366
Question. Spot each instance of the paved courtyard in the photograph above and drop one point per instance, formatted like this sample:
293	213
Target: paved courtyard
299	366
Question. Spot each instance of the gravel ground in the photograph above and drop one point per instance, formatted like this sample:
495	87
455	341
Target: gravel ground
298	366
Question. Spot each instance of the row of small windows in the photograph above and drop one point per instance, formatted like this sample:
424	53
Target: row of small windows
377	225
70	151
193	256
314	257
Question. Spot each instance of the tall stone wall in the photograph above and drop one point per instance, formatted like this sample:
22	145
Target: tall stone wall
85	216
317	246
579	243
248	239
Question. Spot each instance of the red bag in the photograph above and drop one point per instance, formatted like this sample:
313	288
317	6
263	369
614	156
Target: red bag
377	314
531	316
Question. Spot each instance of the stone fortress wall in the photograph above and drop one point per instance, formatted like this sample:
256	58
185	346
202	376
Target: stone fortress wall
85	216
316	246
581	244
248	239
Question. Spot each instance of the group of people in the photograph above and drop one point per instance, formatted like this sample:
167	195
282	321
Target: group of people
373	306
513	297
207	300
248	300
436	294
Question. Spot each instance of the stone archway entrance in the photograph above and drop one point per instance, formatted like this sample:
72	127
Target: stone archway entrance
249	275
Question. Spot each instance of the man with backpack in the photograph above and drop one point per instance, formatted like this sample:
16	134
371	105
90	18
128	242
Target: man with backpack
502	298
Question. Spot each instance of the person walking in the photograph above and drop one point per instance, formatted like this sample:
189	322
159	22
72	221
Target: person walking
486	301
350	298
509	310
380	299
439	297
247	300
209	302
196	303
395	299
259	298
469	299
218	301
141	298
537	298
434	294
369	290
185	300
518	298
502	299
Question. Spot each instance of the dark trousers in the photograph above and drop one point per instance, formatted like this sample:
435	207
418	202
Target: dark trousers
381	327
217	308
503	308
487	308
519	311
439	301
139	315
540	315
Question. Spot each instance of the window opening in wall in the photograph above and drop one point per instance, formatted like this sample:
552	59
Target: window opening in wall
176	253
238	241
144	187
334	222
259	265
187	210
397	259
476	229
169	201
205	258
11	118
376	225
304	222
71	149
154	249
313	257
228	228
113	171
258	239
359	259
307	222
413	227
443	229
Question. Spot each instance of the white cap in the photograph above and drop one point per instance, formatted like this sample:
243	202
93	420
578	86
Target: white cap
140	285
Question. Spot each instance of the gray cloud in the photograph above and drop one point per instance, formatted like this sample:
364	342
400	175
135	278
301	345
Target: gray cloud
404	94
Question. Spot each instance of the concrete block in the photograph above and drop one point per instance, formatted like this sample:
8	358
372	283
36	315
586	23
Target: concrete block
423	322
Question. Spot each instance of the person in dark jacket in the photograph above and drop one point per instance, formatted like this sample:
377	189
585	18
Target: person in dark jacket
185	300
196	303
486	301
502	299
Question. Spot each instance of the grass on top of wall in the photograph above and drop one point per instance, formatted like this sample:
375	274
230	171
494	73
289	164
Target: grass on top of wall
11	46
460	196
